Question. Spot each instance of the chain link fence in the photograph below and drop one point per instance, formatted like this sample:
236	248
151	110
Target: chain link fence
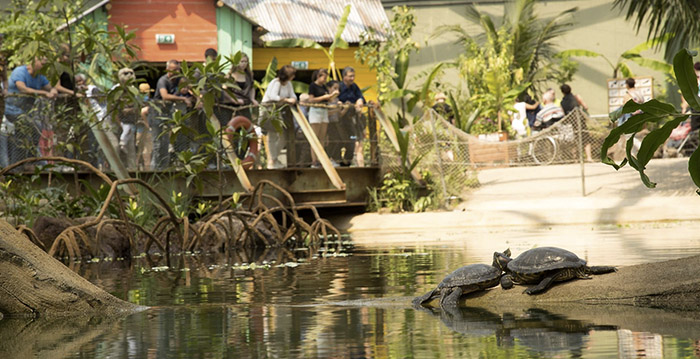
453	157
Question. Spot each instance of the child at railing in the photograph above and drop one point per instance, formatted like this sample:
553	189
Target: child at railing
318	117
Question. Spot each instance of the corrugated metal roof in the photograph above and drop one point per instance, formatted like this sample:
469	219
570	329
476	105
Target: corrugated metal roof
312	19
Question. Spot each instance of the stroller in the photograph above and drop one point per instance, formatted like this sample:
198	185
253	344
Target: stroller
682	142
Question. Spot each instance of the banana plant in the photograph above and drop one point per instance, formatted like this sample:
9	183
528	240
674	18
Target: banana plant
655	111
270	74
633	55
409	98
338	43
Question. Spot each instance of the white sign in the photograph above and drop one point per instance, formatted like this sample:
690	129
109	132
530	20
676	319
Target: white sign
165	38
300	65
617	89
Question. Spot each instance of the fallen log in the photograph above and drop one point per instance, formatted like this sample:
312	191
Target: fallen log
34	284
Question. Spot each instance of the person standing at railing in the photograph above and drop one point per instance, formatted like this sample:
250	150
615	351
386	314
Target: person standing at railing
338	135
281	92
568	103
166	95
318	117
245	91
128	113
20	133
350	93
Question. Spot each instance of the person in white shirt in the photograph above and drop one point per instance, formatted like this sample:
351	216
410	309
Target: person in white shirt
280	92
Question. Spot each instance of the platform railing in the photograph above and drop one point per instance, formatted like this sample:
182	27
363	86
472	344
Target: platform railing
83	128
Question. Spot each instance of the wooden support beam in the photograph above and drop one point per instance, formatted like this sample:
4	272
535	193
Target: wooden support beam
106	139
235	162
388	128
317	148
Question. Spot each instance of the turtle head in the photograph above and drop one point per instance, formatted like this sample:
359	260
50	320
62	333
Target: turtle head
500	260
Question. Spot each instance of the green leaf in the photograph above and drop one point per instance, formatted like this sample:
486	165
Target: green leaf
338	41
270	72
650	44
694	168
656	65
655	139
300	87
470	121
428	82
625	70
687	80
399	93
630	126
401	69
653	107
304	43
208	100
580	52
455	110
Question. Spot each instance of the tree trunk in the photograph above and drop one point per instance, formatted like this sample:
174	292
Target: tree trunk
32	283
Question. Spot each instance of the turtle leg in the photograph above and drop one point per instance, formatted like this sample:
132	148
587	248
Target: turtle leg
601	269
451	299
419	301
507	281
545	283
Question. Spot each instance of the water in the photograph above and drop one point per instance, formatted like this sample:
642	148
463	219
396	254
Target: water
353	302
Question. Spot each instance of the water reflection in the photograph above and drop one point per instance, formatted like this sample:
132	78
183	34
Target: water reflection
349	302
538	330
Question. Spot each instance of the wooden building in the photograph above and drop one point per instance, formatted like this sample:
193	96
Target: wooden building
182	30
316	20
176	29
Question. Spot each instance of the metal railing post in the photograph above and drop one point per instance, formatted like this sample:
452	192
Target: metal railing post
437	153
579	119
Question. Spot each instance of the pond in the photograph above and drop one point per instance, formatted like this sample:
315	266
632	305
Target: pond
352	300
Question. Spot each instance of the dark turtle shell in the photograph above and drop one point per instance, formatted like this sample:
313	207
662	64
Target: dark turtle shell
470	275
538	260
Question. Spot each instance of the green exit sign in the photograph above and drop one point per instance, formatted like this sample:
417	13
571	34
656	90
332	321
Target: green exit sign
165	38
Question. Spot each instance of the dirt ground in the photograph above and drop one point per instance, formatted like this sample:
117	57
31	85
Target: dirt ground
554	195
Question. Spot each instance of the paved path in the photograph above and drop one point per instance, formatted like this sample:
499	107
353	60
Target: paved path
552	195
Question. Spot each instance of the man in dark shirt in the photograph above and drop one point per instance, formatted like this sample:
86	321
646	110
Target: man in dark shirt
164	99
353	119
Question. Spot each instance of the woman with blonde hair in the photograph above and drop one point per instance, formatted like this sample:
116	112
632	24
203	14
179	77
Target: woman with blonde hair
245	88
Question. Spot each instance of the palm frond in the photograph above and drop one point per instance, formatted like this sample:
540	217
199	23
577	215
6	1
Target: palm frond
678	17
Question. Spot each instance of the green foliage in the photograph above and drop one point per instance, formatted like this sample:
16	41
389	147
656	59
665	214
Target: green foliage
503	61
655	112
632	55
390	57
25	198
565	69
36	29
400	193
338	43
665	17
135	212
179	203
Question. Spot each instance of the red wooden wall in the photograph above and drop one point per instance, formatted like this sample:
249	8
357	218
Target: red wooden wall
192	21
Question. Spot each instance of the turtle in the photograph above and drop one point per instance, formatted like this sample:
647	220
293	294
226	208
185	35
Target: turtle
467	279
544	266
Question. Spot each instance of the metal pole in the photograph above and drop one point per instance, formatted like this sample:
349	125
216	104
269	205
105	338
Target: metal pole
439	159
580	118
